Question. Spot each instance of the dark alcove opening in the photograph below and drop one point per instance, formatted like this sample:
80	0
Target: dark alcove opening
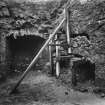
20	51
82	71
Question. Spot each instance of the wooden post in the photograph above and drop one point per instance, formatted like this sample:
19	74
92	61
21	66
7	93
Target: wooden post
57	57
68	29
37	56
50	58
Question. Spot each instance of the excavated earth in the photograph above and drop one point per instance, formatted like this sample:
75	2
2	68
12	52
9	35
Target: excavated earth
41	89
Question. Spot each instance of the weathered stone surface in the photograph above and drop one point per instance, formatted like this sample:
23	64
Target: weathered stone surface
89	17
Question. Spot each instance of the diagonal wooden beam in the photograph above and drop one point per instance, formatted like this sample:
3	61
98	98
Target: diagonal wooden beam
68	29
36	57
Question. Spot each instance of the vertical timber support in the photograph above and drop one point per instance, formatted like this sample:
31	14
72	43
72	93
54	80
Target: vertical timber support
3	53
51	58
68	28
2	48
57	57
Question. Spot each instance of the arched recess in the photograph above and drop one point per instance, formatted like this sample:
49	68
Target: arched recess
21	50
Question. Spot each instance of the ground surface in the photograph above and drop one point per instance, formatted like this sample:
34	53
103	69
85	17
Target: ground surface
41	89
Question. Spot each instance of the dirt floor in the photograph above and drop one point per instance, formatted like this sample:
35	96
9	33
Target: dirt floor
40	89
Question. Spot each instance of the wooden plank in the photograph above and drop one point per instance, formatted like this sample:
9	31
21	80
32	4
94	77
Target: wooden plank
57	58
58	44
68	30
51	59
